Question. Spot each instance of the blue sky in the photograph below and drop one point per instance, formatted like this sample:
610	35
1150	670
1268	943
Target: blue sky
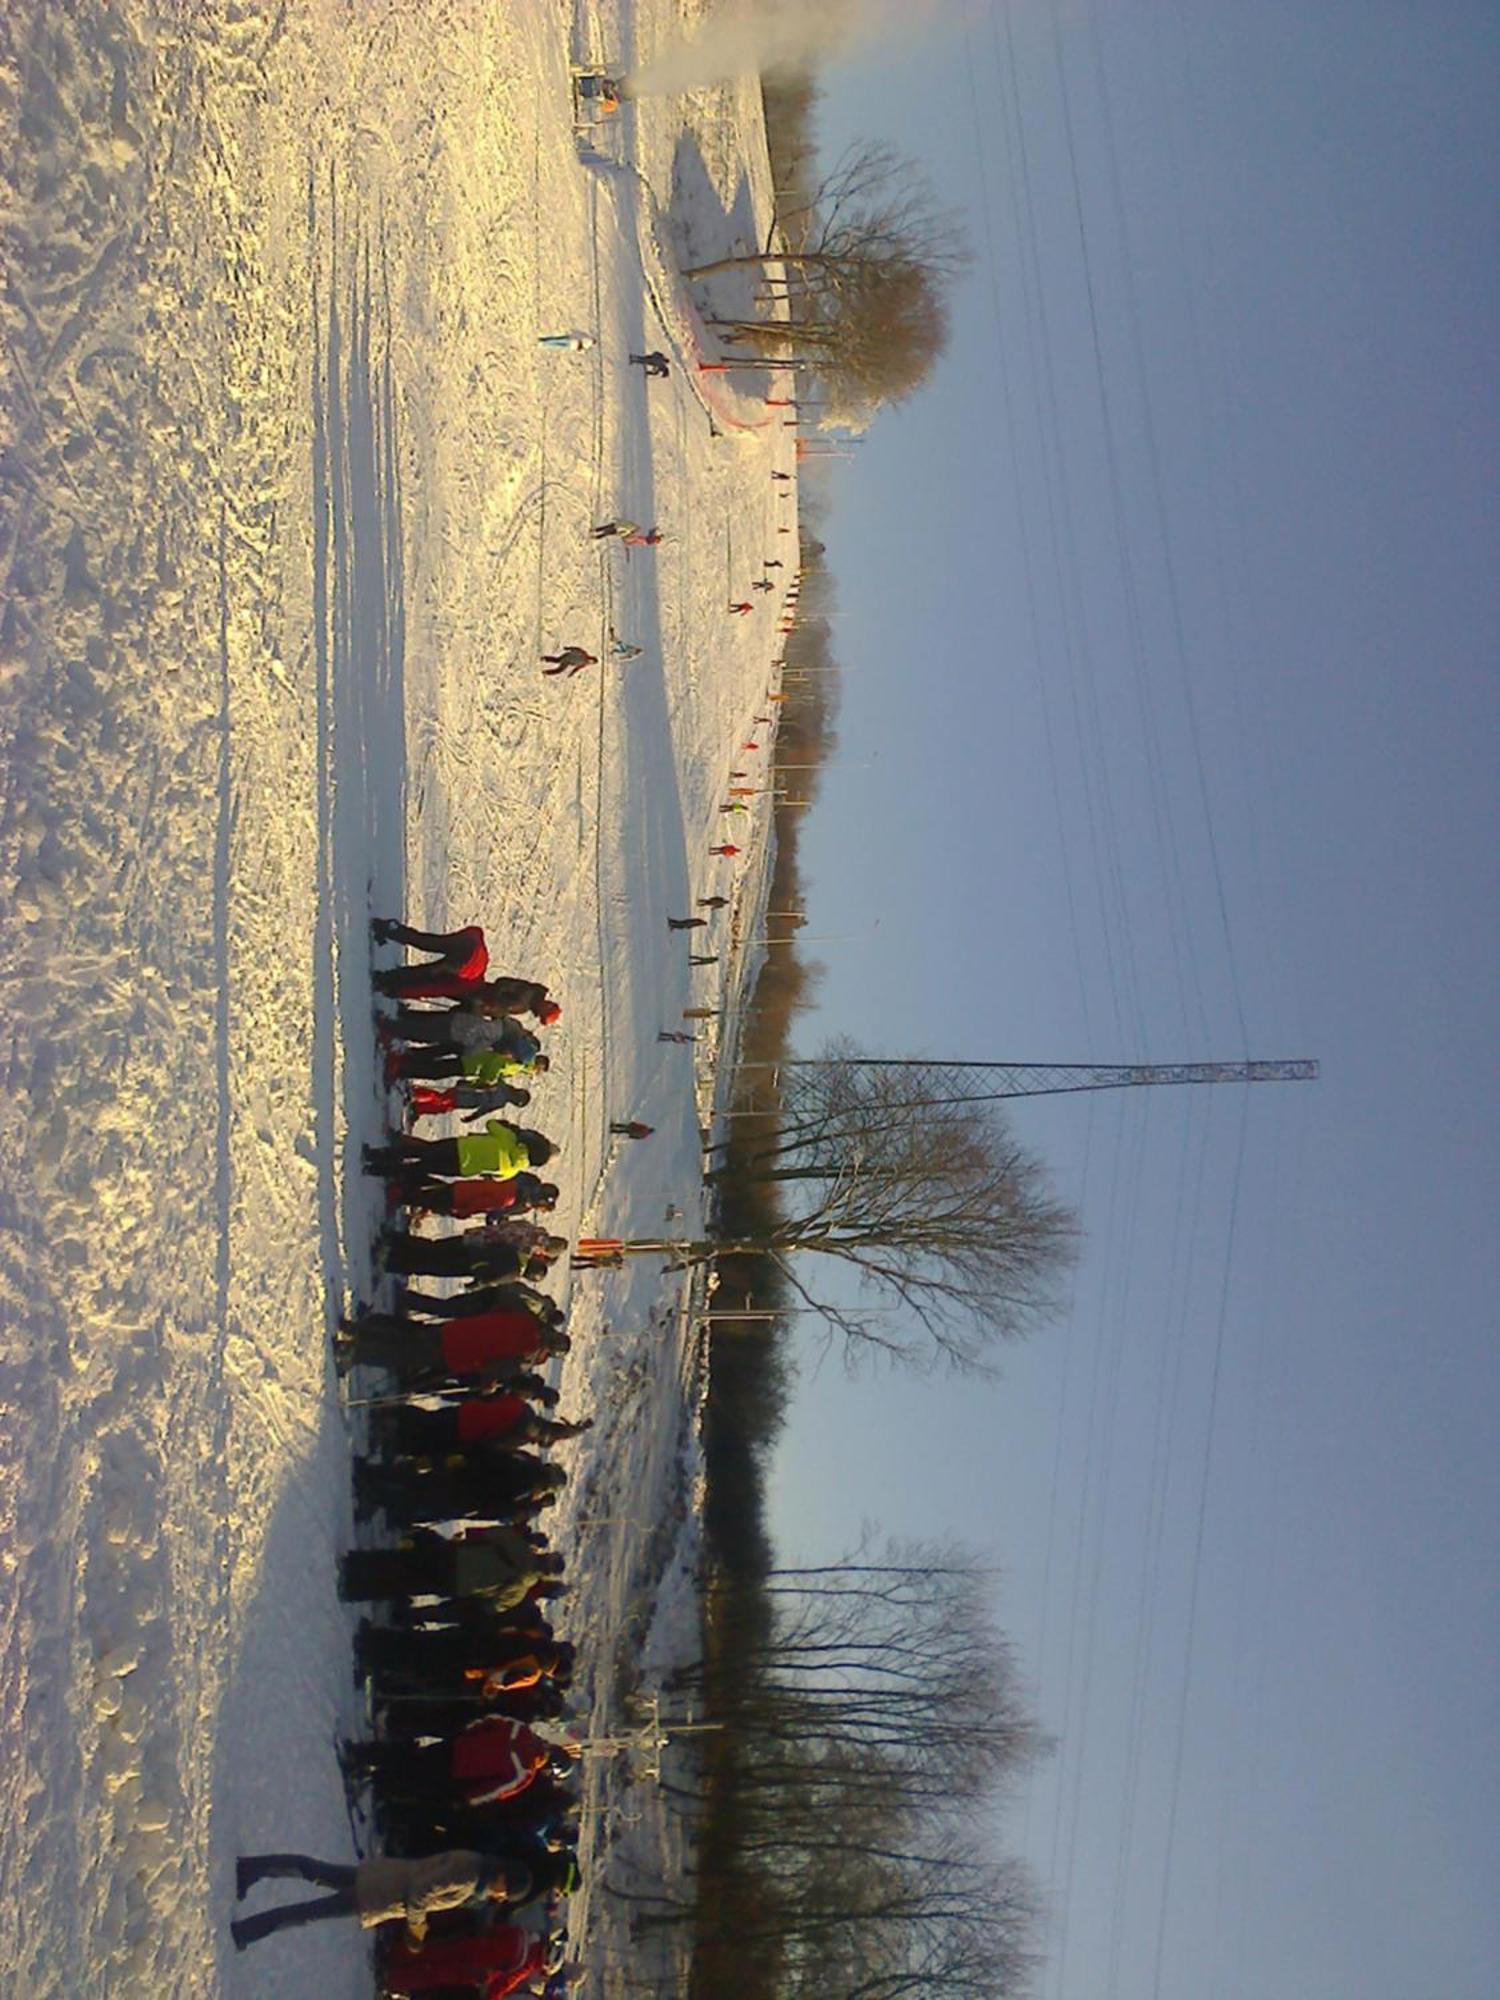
1171	612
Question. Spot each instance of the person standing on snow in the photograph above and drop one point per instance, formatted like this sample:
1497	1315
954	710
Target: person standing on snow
386	1889
741	608
621	528
480	1196
655	363
571	660
501	1150
621	649
461	956
491	1965
503	1565
728	848
687	923
490	1346
630	1128
518	1055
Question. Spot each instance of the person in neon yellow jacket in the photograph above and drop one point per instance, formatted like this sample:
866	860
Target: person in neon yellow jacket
501	1150
481	1066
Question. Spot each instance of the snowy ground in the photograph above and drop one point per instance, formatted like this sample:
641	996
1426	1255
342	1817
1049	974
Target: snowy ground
292	500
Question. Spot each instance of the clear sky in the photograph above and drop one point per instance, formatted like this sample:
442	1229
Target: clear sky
1171	729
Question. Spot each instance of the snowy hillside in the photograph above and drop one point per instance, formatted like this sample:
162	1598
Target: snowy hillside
292	503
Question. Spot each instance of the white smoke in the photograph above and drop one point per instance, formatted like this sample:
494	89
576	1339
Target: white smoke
745	37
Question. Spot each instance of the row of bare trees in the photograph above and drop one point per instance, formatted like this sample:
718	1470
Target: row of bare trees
871	1721
867	1717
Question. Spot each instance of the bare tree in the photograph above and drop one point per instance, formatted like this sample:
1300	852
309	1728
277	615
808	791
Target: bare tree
871	1723
863	282
904	1178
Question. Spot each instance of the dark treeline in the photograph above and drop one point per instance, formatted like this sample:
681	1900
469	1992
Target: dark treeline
869	1713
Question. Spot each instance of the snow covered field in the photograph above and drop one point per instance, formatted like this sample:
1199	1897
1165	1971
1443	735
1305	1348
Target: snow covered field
290	502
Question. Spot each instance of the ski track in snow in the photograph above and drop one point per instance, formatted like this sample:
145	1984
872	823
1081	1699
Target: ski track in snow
292	502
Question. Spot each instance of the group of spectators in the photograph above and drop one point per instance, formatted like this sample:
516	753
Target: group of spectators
474	1803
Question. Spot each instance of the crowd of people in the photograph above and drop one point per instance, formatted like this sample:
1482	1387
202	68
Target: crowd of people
469	1780
468	1776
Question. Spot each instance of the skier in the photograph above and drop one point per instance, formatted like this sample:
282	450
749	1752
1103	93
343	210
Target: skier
501	1149
785	476
487	997
728	848
631	533
622	650
713	902
492	1964
742	607
474	1100
703	958
630	1128
687	923
571	660
461	956
383	1890
506	1419
489	1345
673	1035
469	1254
478	1485
480	1196
502	1566
517	1054
574	342
655	363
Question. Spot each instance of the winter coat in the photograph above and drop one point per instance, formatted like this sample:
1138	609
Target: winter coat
471	1031
502	1568
499	1150
390	1889
480	1197
477	1340
512	996
494	1963
484	1417
497	1759
501	1064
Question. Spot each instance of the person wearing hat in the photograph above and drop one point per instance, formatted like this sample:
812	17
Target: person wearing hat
382	1890
496	1758
502	1565
480	1196
516	1057
462	953
489	1345
492	1965
501	1150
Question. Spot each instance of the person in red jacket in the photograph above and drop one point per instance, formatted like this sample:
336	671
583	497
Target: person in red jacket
493	1964
494	1759
728	847
461	956
479	1344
